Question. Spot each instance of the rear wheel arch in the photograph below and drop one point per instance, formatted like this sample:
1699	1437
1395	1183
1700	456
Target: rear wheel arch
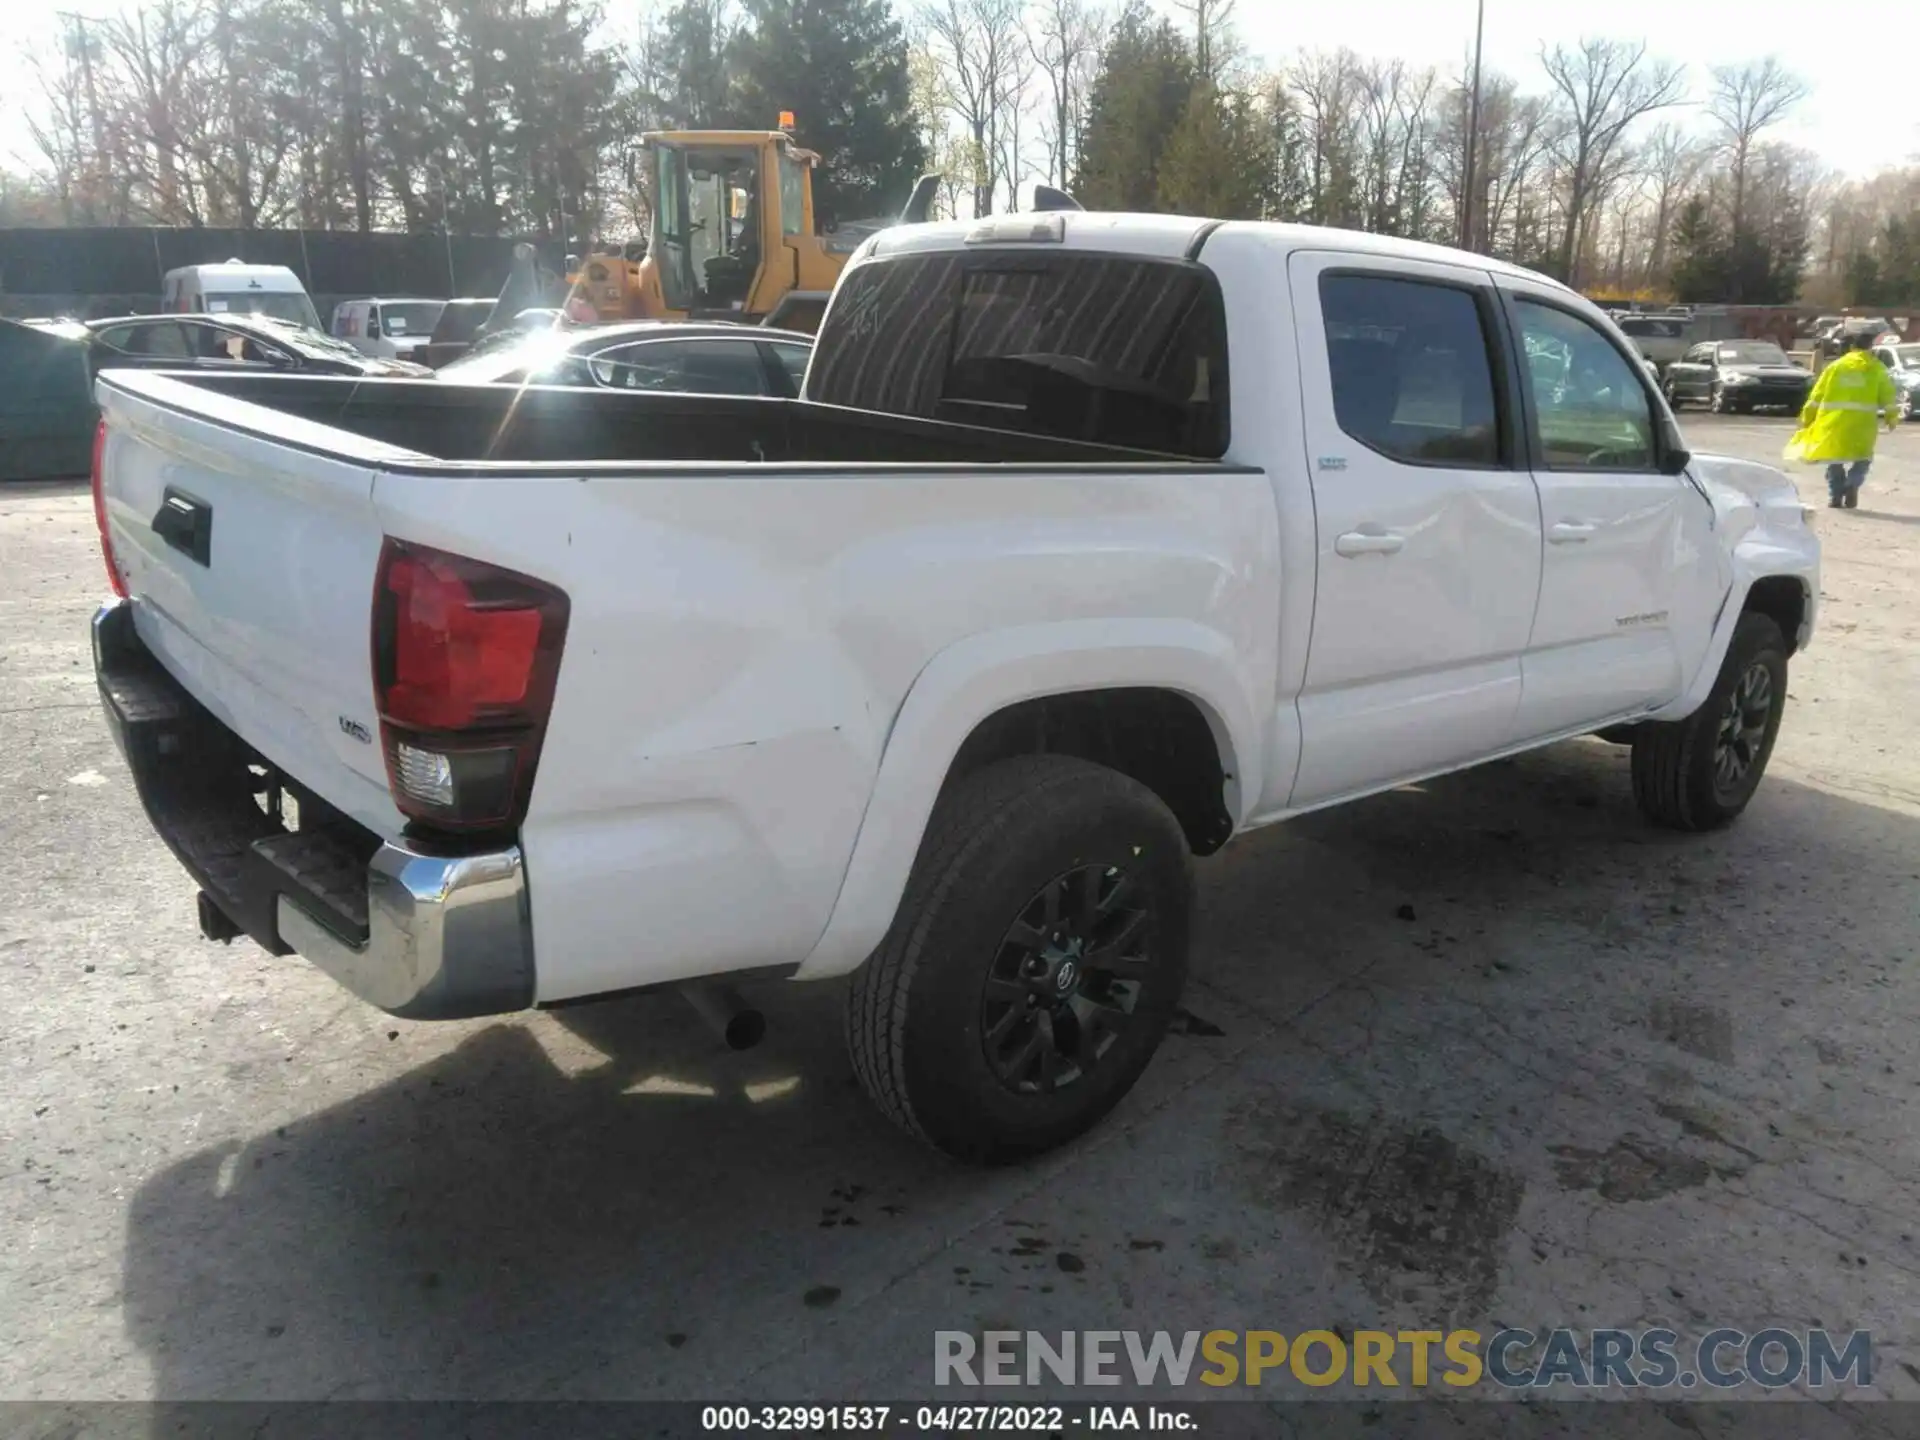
1165	739
1190	738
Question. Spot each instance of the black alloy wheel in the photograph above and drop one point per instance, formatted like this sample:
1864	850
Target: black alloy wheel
1744	723
1062	990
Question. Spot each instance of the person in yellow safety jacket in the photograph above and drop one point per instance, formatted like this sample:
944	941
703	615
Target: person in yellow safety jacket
1841	420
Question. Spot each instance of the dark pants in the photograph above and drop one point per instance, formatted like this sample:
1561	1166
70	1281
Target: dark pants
1844	479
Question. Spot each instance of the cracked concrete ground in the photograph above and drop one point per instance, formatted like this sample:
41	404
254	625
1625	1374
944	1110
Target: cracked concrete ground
1485	1051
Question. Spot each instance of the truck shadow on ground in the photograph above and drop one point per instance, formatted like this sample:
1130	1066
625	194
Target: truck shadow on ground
604	1203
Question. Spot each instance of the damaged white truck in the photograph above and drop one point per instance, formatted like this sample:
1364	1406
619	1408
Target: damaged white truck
1095	541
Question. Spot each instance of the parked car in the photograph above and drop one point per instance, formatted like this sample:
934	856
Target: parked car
47	417
206	342
1661	338
1903	363
453	332
390	329
713	359
1835	339
1730	375
940	675
48	367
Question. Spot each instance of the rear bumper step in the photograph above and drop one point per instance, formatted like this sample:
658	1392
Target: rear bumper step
422	935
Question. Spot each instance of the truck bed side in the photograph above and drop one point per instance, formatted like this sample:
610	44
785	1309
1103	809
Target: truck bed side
741	639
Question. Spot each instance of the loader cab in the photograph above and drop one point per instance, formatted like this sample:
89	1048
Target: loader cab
733	227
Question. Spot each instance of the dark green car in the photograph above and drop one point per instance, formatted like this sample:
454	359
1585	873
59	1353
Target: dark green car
47	414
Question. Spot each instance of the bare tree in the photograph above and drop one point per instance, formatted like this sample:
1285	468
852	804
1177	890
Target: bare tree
1009	117
1604	86
1065	43
1673	160
1215	50
977	48
60	134
1748	100
1328	87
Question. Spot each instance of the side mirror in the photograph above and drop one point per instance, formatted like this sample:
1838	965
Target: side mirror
373	328
1674	459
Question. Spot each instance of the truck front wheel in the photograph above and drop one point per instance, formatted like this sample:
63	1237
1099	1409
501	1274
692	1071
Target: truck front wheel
1035	962
1700	772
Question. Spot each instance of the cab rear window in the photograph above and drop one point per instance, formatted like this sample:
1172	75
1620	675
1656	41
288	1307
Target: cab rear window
1116	350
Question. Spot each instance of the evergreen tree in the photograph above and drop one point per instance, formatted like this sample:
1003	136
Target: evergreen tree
1700	253
841	67
1139	97
684	80
1218	160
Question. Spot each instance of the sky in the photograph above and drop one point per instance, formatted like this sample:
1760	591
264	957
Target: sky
1851	117
1846	118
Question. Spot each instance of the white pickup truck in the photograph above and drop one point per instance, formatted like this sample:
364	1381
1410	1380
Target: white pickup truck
1096	541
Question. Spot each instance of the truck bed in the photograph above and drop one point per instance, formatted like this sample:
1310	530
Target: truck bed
520	425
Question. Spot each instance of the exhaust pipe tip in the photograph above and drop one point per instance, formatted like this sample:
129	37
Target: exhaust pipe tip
745	1030
738	1024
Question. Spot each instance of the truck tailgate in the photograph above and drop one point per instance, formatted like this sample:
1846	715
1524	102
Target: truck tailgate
249	545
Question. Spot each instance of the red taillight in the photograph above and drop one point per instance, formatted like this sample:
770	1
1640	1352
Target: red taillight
100	511
465	656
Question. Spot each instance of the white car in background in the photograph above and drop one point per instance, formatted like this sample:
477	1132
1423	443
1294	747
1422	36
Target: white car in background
389	329
1902	359
1661	338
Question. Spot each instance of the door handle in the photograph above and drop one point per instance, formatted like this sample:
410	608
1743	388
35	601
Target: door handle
1368	542
186	524
1570	532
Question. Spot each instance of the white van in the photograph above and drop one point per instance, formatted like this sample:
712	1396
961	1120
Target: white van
390	329
237	289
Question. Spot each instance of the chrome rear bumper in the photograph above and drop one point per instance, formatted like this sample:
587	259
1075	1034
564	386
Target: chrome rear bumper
422	935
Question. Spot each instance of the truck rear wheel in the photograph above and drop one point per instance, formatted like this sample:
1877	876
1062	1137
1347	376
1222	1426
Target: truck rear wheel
1700	772
1036	960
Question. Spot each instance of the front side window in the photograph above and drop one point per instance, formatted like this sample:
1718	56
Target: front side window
701	367
1116	350
1597	417
793	195
1411	377
793	358
215	342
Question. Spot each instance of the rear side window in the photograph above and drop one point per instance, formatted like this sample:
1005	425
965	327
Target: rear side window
1411	378
1114	350
164	339
704	367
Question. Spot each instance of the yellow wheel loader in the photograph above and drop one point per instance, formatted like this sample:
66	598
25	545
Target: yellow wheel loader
734	235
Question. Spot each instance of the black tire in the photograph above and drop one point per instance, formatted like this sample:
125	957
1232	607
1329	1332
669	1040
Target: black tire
922	1008
1680	767
1674	402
